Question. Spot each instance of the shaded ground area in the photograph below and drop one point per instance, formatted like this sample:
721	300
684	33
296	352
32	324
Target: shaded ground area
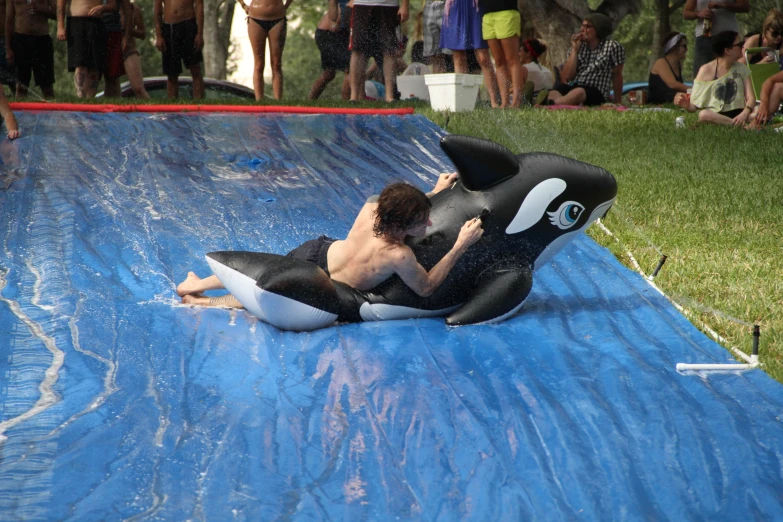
118	402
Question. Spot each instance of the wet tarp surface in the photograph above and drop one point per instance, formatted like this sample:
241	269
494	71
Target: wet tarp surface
119	403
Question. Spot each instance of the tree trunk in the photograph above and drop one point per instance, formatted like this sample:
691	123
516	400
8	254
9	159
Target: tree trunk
218	15
556	20
663	25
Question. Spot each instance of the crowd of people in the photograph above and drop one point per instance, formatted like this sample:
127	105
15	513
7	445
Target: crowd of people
463	36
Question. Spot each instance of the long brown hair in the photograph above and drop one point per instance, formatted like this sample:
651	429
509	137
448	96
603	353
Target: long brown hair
400	207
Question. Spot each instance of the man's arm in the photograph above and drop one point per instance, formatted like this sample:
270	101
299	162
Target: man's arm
766	91
568	72
60	20
198	43
139	30
10	21
157	13
403	11
689	10
446	180
8	116
617	83
109	6
425	283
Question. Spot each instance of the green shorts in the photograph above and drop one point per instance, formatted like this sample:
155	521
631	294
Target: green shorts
500	25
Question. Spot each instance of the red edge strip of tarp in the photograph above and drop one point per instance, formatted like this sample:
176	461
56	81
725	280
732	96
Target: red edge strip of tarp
78	107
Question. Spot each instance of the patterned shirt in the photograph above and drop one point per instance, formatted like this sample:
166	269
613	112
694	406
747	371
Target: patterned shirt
594	67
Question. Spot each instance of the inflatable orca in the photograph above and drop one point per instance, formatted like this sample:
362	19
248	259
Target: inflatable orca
531	206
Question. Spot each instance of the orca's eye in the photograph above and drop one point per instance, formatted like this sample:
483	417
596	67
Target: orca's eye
567	215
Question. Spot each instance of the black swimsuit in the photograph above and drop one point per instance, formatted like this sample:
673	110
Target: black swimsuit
267	25
314	251
658	91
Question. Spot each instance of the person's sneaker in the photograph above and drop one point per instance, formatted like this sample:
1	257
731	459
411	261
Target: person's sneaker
527	93
541	97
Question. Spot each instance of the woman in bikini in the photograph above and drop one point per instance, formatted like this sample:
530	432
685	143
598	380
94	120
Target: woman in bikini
266	20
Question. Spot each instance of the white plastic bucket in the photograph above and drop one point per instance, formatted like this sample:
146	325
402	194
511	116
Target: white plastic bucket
453	92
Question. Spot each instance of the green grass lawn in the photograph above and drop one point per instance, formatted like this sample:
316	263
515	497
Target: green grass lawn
710	198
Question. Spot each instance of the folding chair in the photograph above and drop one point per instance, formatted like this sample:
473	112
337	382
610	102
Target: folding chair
759	72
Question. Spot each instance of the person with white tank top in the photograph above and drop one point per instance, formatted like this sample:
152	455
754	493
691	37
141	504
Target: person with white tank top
722	16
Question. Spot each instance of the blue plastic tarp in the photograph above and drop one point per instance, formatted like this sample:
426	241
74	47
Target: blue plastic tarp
118	402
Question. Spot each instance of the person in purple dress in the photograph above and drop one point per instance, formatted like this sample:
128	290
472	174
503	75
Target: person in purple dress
460	32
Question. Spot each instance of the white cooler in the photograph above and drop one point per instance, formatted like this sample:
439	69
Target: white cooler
453	92
412	87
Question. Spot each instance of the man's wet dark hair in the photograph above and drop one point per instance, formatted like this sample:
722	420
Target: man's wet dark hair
400	207
722	41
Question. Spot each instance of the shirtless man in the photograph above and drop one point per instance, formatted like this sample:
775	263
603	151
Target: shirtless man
267	21
29	47
374	249
86	38
179	35
332	36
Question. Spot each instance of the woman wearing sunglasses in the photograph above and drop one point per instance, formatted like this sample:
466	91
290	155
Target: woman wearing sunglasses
771	36
722	91
665	79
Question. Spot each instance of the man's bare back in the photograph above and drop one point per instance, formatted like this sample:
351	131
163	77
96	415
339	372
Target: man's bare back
361	260
364	260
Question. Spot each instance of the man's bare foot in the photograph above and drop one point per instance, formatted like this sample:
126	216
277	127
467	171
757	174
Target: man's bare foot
195	300
187	286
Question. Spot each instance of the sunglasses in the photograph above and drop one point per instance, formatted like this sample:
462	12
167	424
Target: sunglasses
775	34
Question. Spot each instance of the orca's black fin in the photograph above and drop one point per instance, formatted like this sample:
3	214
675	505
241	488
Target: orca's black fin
498	293
480	163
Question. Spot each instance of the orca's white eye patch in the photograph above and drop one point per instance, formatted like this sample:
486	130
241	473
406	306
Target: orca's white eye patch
535	204
567	215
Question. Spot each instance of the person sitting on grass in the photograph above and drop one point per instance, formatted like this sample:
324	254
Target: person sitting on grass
374	250
771	35
535	77
771	96
8	116
665	79
722	91
594	63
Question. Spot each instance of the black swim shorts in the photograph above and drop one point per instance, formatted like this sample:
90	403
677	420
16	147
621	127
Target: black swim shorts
86	38
179	40
314	251
594	95
335	55
34	56
374	29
